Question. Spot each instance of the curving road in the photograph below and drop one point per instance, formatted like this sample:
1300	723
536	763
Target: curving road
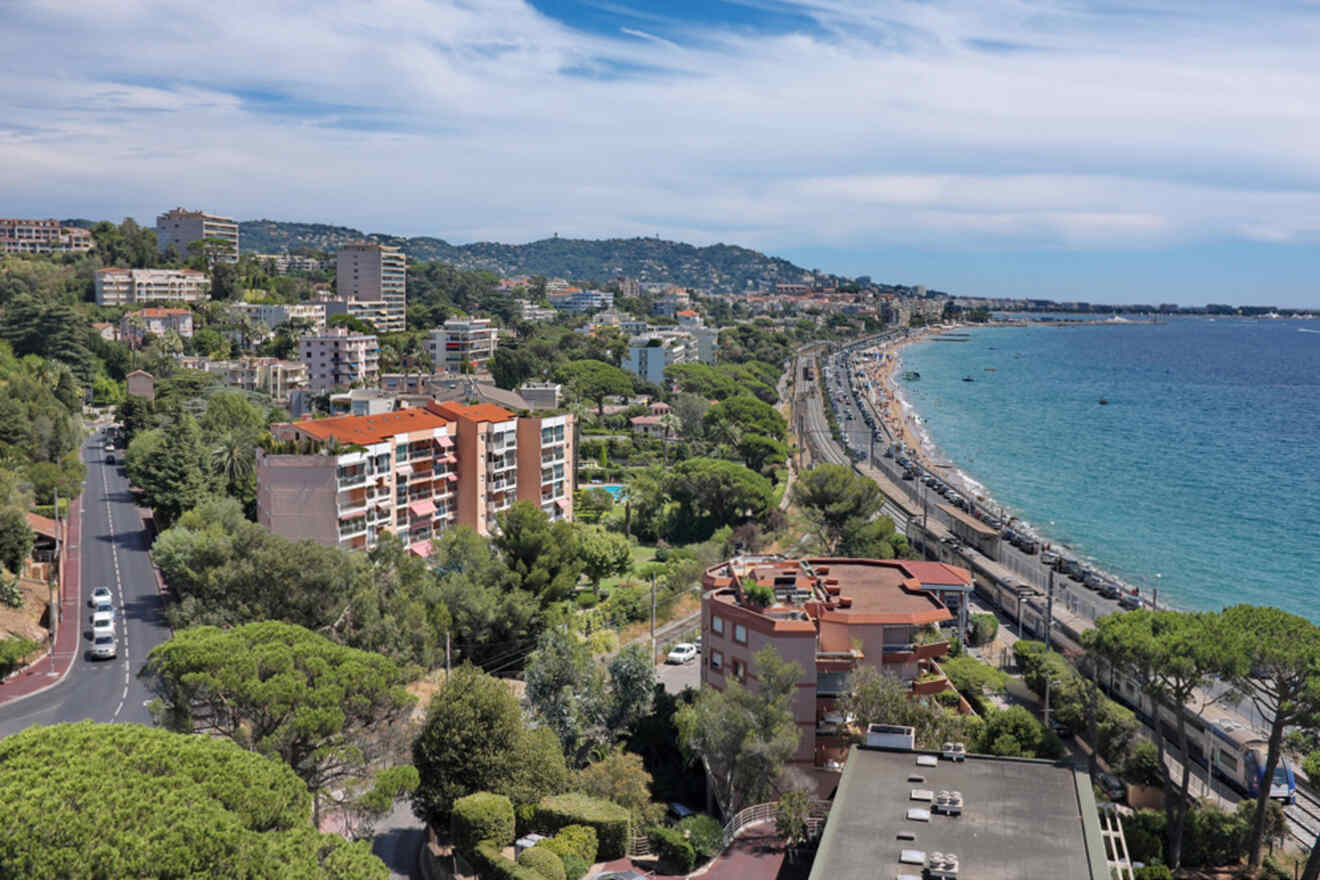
114	555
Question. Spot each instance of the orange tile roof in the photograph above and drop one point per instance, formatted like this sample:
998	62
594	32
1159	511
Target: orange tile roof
938	573
370	429
474	412
43	525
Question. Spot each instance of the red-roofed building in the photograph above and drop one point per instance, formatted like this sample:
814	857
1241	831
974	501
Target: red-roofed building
346	480
830	616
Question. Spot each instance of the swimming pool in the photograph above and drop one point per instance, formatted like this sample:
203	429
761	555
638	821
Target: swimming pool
614	489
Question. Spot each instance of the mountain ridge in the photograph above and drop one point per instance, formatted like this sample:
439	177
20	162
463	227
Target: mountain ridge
719	267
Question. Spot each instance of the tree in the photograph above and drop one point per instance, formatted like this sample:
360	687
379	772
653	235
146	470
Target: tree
875	697
1176	657
590	505
791	814
594	380
474	740
324	709
620	777
690	410
542	555
603	554
632	688
1282	678
748	415
760	453
175	480
712	493
16	539
838	501
123	800
744	736
566	689
490	617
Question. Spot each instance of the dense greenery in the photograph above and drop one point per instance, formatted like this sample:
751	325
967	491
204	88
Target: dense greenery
844	507
481	816
323	709
877	697
119	800
1076	701
609	820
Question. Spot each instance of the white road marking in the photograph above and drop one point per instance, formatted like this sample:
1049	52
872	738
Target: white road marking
119	586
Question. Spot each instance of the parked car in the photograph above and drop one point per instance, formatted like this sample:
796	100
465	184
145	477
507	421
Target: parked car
100	594
1130	601
1049	559
683	652
1110	590
1112	786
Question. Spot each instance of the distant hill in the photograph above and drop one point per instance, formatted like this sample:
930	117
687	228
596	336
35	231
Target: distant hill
720	267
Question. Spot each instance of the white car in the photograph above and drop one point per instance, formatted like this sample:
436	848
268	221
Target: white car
103	622
104	646
99	595
683	652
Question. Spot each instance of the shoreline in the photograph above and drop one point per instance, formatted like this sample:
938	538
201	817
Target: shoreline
904	422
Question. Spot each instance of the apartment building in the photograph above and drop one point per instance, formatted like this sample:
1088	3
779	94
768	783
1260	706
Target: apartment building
393	472
830	616
273	315
374	273
283	264
337	358
533	313
487	461
42	237
375	312
577	301
648	355
122	287
134	327
181	228
545	464
462	344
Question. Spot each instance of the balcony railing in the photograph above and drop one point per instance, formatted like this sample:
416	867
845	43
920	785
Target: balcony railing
352	480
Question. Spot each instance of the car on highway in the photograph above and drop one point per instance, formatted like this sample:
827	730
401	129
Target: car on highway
100	594
104	647
109	459
684	652
1049	559
103	607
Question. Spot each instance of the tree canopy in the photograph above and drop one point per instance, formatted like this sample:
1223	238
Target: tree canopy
120	800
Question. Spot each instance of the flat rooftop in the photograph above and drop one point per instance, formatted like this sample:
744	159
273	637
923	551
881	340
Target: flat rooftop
970	521
879	589
1022	819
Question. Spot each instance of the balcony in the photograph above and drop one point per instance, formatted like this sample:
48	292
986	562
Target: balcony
931	680
346	480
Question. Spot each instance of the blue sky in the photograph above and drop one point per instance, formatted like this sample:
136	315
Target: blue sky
1107	151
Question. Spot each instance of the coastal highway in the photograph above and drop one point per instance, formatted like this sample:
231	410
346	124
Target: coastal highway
114	555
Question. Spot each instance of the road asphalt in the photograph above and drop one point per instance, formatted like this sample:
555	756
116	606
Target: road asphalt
113	553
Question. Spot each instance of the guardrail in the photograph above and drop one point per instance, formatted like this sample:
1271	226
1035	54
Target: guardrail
818	812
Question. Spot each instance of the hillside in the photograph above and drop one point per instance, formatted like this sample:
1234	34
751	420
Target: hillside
717	267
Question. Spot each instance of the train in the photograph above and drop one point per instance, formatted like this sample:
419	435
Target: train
1233	752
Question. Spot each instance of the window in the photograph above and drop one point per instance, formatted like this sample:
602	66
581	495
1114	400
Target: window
717	624
740	633
739	670
717	660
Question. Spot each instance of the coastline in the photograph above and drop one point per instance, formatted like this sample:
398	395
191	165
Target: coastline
903	421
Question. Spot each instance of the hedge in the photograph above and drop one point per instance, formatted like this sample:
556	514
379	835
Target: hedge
491	864
543	862
481	816
609	820
574	868
705	834
578	840
673	848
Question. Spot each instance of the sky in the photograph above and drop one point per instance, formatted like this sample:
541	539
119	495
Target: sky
1110	151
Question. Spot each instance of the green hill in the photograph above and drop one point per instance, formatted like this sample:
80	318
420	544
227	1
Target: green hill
720	267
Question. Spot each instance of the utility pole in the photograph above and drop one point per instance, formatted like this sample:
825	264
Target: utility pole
54	613
653	620
1047	702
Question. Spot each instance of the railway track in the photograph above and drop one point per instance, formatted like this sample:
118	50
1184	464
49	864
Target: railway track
1303	818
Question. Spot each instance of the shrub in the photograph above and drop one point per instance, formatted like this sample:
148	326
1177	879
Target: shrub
543	861
579	840
491	864
1142	766
574	867
586	599
1144	832
1154	872
481	816
984	628
1311	765
675	852
760	594
609	820
947	698
705	834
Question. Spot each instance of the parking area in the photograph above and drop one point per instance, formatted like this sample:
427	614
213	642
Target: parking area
676	677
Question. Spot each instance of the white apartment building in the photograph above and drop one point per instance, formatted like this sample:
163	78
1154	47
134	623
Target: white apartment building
181	228
136	326
400	477
274	315
338	358
648	355
533	313
376	312
42	237
374	272
283	264
460	342
122	287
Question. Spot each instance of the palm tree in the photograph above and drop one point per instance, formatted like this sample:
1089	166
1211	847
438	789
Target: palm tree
232	460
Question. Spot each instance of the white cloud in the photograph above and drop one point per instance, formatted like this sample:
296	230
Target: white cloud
487	120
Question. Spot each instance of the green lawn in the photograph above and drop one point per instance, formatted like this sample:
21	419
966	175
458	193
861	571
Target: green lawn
641	554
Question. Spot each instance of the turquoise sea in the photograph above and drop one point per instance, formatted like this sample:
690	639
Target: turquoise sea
1202	469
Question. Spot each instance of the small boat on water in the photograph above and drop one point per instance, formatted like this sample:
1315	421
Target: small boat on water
968	379
990	369
1104	401
911	375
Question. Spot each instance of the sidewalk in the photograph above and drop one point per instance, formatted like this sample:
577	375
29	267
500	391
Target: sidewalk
38	675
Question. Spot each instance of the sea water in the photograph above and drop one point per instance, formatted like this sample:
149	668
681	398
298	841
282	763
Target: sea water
1199	476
